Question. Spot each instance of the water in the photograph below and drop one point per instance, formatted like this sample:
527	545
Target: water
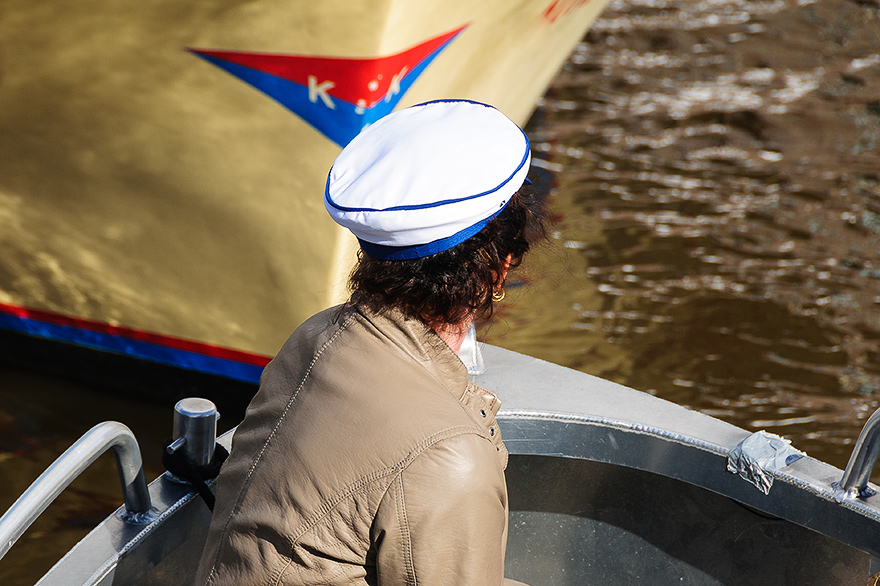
40	417
717	207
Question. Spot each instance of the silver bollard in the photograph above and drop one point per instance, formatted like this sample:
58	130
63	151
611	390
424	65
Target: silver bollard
195	430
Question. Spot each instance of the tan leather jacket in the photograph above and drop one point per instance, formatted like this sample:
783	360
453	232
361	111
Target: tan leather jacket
367	457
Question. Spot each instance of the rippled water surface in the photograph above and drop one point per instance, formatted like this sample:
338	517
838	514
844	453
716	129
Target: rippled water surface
718	213
40	417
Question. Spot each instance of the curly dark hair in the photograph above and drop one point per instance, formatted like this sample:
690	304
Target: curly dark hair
447	287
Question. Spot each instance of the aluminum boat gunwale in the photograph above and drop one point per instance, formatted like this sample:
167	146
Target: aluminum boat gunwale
551	414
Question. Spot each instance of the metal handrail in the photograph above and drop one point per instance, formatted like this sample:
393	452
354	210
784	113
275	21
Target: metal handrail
854	482
108	435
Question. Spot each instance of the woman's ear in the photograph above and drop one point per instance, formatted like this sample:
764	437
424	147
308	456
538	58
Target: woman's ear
506	267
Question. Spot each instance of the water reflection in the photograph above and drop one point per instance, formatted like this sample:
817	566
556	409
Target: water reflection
40	417
719	213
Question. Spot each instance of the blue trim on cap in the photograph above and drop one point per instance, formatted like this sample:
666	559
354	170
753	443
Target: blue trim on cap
383	252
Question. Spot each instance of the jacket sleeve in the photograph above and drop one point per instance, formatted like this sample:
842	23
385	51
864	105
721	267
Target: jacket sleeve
443	520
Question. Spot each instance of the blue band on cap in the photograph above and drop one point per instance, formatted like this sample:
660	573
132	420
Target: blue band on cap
383	252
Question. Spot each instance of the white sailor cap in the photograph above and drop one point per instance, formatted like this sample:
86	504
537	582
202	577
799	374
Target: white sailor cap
425	178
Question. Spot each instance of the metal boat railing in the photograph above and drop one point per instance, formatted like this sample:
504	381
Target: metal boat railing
528	432
109	435
854	482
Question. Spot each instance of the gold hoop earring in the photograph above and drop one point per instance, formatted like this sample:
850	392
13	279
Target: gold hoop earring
498	295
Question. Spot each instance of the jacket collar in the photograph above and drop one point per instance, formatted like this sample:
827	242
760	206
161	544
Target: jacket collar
423	344
427	348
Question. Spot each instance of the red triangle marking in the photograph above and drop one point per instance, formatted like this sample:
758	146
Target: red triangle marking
360	81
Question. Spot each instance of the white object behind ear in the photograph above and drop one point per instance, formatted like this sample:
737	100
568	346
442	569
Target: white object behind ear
470	353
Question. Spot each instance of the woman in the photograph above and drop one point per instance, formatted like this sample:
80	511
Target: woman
367	456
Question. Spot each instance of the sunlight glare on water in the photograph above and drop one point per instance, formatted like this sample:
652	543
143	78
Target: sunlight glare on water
717	197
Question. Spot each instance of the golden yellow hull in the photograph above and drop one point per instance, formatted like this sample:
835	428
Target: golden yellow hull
143	189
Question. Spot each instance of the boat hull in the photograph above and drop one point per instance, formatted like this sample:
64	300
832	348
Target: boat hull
151	184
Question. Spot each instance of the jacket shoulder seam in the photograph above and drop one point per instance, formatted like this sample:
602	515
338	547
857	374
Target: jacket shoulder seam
400	500
403	523
272	434
362	483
